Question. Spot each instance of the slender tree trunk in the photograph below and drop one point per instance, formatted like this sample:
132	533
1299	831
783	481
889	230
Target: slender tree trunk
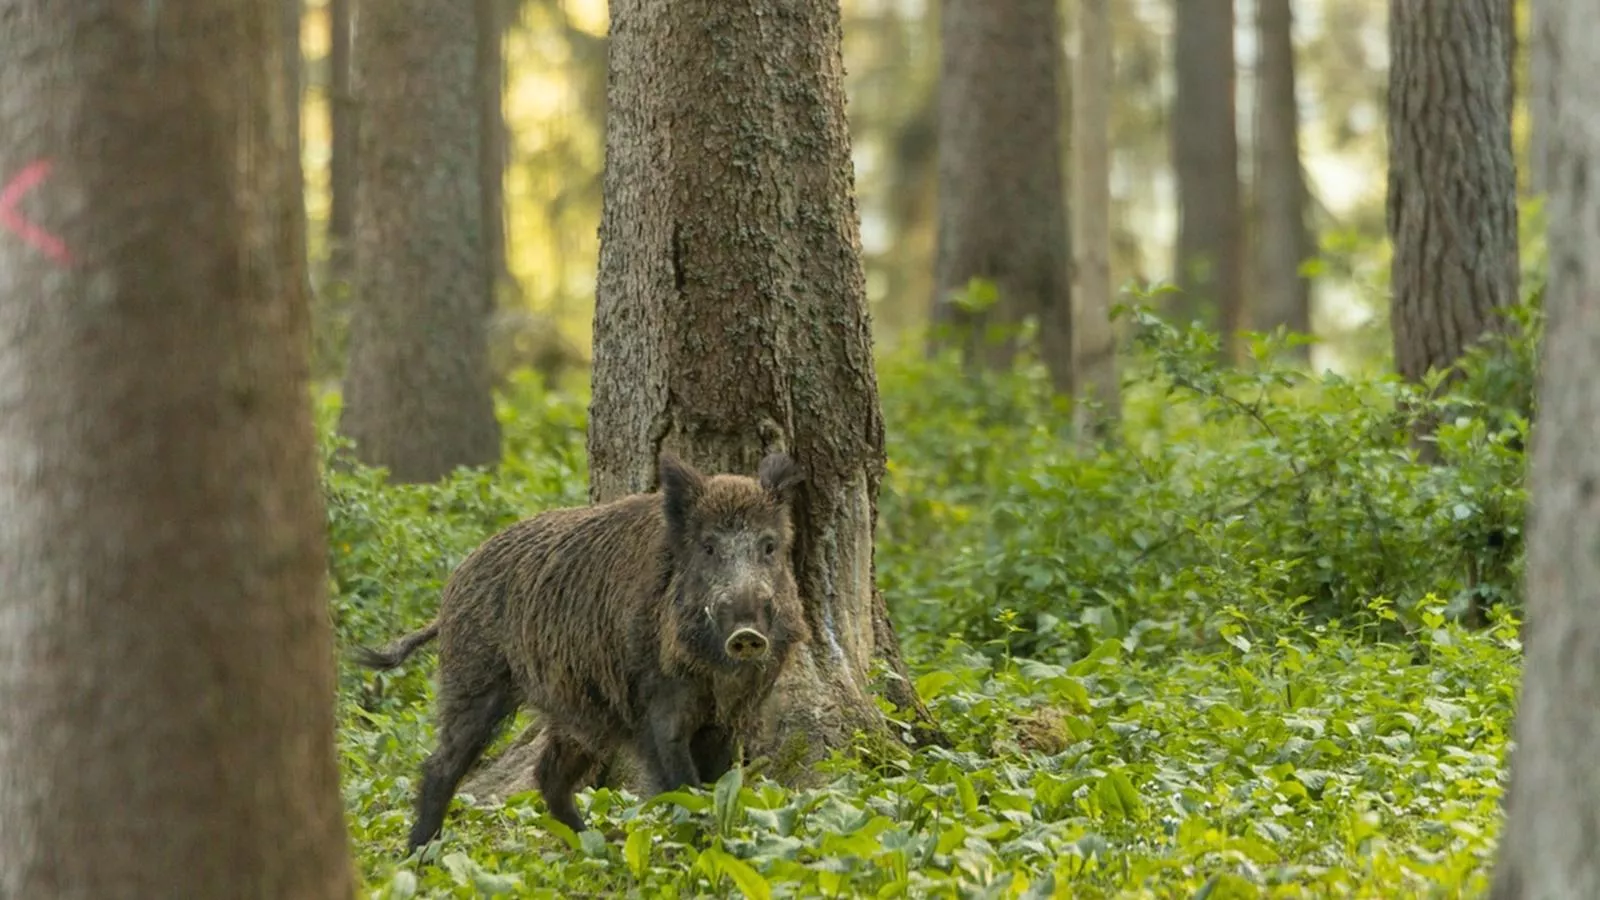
492	20
1094	351
1452	207
1002	204
1542	95
1209	256
1547	847
731	321
1283	242
417	393
294	92
342	130
166	664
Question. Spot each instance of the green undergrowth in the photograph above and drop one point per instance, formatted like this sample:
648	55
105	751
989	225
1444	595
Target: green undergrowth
1224	655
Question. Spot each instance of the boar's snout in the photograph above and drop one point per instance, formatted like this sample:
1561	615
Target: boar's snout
746	645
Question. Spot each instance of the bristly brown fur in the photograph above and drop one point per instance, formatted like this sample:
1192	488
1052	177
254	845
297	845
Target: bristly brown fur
601	619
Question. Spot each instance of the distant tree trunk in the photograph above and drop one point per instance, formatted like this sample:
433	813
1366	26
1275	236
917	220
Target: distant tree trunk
342	116
492	19
1002	205
1095	350
1542	95
1209	256
1553	806
293	88
1452	207
417	393
166	661
1509	10
731	321
1283	242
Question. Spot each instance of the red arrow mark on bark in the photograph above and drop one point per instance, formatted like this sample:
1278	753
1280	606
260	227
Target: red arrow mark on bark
36	237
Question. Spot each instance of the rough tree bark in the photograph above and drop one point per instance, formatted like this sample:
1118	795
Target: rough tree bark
342	142
731	321
417	392
166	660
1094	349
1002	204
1553	806
1452	205
1283	240
1208	260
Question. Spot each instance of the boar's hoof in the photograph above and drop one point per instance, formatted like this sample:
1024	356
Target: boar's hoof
746	644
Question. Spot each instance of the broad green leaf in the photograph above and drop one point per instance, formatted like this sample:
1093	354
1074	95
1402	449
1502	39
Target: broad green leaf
750	882
1117	794
931	684
966	793
692	802
725	799
560	830
636	852
403	886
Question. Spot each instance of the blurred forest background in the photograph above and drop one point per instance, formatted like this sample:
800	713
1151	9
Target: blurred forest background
553	139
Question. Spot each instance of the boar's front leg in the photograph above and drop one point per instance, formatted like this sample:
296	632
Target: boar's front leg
712	748
672	718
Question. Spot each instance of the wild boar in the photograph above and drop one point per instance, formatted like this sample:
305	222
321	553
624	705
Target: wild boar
655	625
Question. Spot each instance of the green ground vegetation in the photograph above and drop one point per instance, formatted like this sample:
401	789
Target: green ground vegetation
1253	647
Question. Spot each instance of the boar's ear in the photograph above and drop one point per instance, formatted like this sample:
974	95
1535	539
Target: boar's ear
780	476
680	491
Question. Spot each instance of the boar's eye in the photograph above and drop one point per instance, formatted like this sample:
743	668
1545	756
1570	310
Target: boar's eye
708	548
769	546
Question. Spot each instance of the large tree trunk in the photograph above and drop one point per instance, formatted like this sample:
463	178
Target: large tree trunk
1208	259
731	321
1002	205
342	140
1452	209
1547	848
166	661
1094	343
417	393
1283	242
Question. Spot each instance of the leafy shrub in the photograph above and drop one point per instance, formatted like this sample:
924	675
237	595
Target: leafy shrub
1258	487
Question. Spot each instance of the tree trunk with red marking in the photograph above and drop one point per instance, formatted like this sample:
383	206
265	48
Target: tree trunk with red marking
166	659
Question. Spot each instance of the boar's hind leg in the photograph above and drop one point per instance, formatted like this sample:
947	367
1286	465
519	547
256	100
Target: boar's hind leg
561	766
470	713
712	749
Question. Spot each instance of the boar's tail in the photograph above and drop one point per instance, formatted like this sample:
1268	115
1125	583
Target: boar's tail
398	650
